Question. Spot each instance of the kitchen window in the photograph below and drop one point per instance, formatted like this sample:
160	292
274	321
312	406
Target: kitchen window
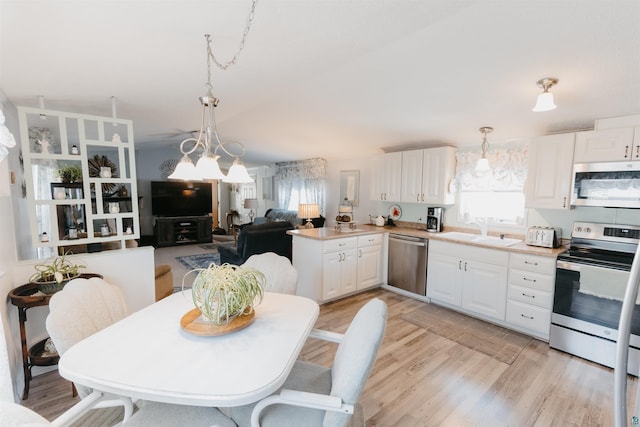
496	197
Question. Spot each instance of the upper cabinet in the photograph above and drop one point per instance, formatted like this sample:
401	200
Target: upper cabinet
438	170
386	175
426	175
608	145
549	173
80	179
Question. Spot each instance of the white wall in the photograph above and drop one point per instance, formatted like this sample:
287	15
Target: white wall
10	359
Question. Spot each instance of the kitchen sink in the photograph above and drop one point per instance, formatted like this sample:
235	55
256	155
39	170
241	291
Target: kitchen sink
476	238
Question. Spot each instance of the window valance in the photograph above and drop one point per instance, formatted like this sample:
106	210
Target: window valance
302	169
508	169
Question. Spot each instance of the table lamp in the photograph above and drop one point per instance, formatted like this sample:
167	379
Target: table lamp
308	211
251	204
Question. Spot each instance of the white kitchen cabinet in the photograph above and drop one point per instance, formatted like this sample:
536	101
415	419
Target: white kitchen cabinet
444	279
339	273
386	177
369	261
472	278
331	268
608	145
484	288
438	169
549	173
426	175
530	293
412	176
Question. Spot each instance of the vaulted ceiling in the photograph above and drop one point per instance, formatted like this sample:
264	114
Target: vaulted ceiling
340	78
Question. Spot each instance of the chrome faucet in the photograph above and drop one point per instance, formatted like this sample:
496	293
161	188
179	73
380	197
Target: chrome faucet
482	223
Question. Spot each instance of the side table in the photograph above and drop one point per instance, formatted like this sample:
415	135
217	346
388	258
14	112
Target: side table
24	297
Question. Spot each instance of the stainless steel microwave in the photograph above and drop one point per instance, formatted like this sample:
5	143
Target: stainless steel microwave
610	184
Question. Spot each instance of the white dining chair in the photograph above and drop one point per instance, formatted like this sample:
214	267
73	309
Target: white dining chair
14	415
86	306
280	275
82	308
314	395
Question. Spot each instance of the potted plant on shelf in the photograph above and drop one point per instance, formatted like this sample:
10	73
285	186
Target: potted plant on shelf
225	292
69	173
52	275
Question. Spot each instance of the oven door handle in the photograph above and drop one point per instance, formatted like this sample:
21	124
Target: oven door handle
568	265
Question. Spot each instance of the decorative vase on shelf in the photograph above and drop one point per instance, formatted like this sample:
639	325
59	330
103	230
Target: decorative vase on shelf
122	191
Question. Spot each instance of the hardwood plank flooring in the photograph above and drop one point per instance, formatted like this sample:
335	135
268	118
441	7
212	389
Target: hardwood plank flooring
423	379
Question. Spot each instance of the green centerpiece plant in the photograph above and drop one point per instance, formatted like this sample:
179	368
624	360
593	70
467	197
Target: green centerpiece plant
224	292
52	275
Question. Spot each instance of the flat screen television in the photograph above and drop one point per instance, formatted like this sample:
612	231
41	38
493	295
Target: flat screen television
180	198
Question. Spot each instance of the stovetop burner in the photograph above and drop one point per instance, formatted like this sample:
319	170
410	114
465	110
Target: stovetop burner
603	244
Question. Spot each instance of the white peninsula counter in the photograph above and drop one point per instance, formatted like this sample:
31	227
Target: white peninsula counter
332	264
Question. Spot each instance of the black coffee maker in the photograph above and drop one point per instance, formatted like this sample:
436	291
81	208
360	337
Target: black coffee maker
434	220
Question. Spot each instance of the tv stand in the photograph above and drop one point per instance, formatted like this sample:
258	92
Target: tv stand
182	230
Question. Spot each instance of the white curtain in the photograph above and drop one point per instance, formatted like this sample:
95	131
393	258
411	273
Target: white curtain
302	181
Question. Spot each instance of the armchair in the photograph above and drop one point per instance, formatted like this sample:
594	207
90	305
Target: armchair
258	239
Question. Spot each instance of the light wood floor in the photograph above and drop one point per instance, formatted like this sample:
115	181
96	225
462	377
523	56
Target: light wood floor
422	379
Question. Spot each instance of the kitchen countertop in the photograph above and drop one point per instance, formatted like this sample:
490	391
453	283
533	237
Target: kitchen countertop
327	233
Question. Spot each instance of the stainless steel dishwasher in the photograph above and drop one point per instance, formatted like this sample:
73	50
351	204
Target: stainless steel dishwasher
408	263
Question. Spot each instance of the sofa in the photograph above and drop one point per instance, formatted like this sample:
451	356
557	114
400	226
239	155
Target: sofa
258	239
276	215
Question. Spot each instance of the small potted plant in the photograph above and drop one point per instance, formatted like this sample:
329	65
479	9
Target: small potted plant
224	292
52	275
69	173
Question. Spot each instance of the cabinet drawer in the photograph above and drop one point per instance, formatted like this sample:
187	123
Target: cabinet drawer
530	296
540	264
529	316
339	244
530	279
369	240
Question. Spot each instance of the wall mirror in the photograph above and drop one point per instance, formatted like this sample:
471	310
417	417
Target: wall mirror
350	186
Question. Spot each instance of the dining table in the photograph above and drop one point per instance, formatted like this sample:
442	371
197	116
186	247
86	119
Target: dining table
149	355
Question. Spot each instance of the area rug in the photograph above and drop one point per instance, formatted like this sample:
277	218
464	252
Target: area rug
214	246
495	341
199	260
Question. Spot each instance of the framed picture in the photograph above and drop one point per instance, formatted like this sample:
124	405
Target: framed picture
349	186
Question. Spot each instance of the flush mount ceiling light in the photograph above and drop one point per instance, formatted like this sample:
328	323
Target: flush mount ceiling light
208	142
545	99
482	165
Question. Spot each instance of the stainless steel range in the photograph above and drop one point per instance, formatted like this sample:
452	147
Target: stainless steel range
591	279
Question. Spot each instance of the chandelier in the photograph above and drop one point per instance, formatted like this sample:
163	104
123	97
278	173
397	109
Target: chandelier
208	142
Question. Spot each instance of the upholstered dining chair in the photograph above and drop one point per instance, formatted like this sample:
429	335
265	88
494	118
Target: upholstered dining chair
280	275
315	395
82	308
86	306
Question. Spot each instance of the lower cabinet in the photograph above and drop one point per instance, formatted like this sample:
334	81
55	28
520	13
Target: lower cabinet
530	295
331	268
339	268
469	277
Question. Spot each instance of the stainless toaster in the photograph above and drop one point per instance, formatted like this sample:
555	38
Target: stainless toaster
546	237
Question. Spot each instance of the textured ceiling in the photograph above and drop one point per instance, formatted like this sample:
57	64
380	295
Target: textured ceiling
327	78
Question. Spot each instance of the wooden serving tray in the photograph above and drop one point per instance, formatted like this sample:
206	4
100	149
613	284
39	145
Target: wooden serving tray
193	323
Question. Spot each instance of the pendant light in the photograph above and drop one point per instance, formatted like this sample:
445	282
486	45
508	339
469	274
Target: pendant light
545	99
482	165
208	141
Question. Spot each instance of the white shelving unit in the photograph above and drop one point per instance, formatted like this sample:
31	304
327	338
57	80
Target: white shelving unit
76	216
